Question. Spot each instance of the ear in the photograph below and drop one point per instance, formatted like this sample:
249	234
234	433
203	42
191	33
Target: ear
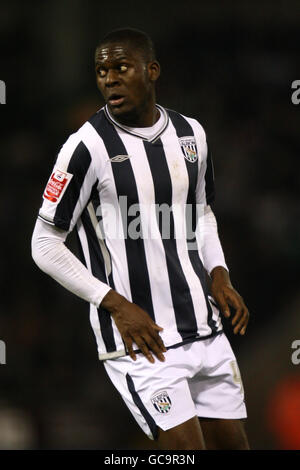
153	71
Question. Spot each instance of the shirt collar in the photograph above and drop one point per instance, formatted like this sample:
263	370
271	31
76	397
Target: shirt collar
138	132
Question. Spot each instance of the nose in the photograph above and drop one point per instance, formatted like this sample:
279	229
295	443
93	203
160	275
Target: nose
112	78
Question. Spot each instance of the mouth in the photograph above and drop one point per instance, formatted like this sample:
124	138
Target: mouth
116	100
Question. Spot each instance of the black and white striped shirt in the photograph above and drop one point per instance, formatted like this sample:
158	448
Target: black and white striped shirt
109	181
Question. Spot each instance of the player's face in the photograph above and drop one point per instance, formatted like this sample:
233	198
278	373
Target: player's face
125	80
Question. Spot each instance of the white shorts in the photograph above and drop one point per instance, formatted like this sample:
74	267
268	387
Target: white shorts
201	378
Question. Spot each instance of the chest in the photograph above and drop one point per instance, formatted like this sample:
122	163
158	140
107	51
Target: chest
162	172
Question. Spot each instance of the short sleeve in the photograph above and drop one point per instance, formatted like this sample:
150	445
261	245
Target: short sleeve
70	185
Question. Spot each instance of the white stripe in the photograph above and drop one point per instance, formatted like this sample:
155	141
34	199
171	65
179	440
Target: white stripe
202	159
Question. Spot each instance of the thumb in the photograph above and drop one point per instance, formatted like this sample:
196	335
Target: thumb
157	327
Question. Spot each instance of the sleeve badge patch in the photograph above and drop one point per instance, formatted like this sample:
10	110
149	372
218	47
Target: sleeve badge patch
56	186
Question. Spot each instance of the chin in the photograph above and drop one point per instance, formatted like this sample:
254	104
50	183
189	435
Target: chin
124	113
116	110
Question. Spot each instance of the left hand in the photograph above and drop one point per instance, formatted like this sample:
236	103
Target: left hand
226	296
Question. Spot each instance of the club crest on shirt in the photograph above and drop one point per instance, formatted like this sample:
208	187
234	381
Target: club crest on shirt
189	148
161	402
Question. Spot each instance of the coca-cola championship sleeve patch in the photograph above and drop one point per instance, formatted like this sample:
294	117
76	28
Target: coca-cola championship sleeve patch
53	194
56	186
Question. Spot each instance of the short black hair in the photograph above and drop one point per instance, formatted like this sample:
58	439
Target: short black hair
135	38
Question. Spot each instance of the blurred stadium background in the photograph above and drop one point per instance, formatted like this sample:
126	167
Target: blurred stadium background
230	65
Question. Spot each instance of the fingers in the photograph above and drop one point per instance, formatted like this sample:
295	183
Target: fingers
241	321
241	317
128	342
157	338
231	298
136	326
153	342
148	345
145	350
156	345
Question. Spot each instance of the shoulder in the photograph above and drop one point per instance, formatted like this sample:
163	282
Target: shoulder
179	119
80	146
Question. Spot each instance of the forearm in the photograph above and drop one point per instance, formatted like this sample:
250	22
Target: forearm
211	248
54	258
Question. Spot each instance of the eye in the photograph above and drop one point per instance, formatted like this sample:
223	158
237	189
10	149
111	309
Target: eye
123	68
101	72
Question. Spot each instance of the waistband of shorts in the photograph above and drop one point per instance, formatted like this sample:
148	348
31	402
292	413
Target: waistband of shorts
123	352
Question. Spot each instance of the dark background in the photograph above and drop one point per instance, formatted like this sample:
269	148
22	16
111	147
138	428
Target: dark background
228	64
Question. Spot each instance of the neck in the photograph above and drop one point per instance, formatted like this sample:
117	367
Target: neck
146	116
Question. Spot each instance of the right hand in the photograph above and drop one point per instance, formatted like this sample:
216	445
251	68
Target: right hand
135	326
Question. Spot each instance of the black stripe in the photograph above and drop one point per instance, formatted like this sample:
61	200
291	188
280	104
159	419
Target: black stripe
96	201
180	292
78	167
126	186
98	270
138	402
199	270
96	204
97	260
184	129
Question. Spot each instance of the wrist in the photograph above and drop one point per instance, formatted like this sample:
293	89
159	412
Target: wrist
112	302
219	273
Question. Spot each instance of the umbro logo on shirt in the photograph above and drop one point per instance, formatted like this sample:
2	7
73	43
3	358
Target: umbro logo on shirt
119	158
